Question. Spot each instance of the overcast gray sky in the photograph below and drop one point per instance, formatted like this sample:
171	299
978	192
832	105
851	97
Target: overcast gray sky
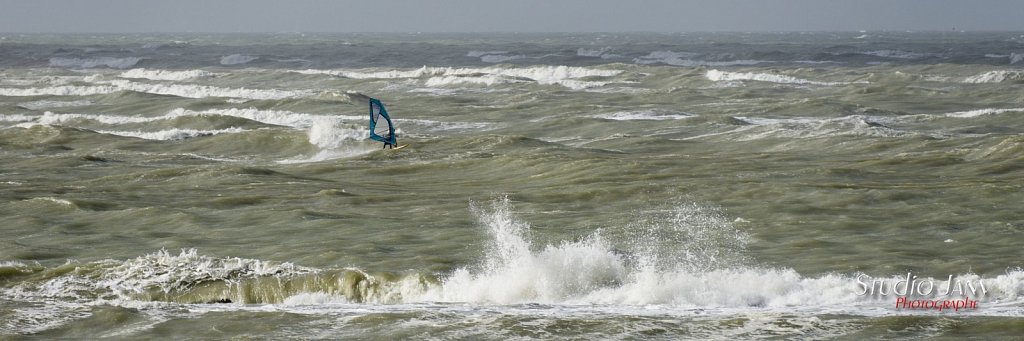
506	15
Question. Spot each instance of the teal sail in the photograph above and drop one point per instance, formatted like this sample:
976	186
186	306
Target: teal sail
381	128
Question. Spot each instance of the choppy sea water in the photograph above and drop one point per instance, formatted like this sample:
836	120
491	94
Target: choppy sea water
695	186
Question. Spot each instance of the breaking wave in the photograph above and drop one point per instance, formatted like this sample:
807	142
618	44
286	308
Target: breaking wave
725	76
997	76
179	90
328	132
172	134
165	75
982	112
63	90
567	76
759	128
644	115
688	256
275	117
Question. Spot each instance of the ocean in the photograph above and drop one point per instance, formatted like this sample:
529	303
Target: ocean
850	185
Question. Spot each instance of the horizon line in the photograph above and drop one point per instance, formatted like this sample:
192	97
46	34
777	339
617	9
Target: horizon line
513	32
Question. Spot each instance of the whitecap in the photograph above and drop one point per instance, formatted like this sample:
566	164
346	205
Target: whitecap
180	90
725	76
567	76
165	75
997	76
62	90
982	112
644	115
171	134
275	117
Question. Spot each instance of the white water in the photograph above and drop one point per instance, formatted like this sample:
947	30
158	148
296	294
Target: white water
180	90
982	112
997	76
701	267
275	117
644	115
725	76
567	76
172	134
166	75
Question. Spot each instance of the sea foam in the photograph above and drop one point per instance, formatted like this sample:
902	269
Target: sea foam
165	75
171	134
702	266
180	90
62	90
275	117
997	76
567	76
725	76
982	112
643	115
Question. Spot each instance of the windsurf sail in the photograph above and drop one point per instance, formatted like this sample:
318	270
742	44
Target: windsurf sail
381	128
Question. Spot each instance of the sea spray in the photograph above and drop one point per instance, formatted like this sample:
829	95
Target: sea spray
667	251
688	256
512	272
686	236
332	132
334	138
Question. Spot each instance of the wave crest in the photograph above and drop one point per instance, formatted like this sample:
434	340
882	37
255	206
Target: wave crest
165	75
567	76
725	76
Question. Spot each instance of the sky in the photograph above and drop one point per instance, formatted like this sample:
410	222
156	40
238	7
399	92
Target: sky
96	16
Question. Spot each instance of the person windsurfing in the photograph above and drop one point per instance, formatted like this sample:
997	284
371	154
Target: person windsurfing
381	127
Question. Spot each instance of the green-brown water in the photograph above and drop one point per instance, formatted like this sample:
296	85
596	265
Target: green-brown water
555	186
